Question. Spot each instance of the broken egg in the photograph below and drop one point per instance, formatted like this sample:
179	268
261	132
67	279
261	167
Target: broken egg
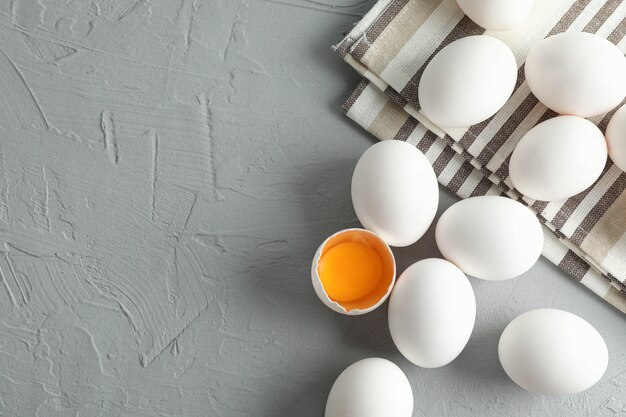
353	271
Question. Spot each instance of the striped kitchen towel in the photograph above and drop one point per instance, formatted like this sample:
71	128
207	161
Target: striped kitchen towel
390	47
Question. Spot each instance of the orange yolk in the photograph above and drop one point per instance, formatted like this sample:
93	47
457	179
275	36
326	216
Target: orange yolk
350	271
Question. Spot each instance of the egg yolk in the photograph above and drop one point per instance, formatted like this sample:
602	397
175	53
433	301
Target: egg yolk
349	271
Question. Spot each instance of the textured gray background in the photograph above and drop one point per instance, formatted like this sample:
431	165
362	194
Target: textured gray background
167	170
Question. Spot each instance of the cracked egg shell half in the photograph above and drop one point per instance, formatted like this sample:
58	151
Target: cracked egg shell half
353	271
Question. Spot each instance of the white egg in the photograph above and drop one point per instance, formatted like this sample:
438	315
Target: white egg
497	14
616	138
552	352
395	192
558	158
577	73
431	312
372	387
467	82
490	237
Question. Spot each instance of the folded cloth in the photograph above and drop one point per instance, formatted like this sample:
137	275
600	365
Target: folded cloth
585	235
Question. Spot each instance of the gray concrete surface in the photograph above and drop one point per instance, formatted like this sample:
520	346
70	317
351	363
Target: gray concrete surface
167	170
